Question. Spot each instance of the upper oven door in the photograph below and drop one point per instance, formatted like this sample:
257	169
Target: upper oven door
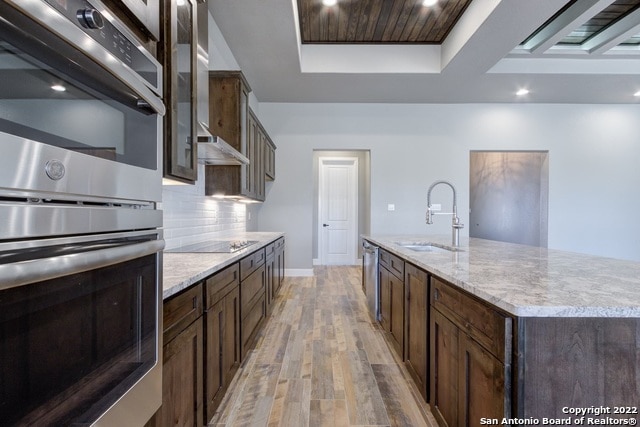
80	104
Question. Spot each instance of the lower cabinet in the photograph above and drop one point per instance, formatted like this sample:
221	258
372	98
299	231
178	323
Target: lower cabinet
182	364
222	335
470	358
208	330
391	280
253	309
416	326
279	265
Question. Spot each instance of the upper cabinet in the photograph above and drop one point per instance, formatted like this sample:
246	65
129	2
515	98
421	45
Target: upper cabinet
179	34
231	119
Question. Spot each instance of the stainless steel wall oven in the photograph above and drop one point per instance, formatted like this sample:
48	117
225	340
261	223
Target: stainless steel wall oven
80	240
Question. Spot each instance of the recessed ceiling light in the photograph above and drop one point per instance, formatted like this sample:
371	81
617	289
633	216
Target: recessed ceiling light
329	2
637	93
180	2
58	88
428	3
522	92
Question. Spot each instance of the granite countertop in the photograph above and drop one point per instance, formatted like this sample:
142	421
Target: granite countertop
530	281
181	270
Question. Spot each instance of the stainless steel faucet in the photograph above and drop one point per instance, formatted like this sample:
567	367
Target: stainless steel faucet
456	225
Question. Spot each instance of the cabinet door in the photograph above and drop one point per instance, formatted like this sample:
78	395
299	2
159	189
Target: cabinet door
280	264
269	282
396	328
179	33
248	171
417	326
259	165
182	397
481	380
231	338
215	374
385	298
444	370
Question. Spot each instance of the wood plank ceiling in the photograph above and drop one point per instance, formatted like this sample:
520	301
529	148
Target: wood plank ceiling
378	21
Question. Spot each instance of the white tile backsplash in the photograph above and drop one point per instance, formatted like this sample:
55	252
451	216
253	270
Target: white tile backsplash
191	217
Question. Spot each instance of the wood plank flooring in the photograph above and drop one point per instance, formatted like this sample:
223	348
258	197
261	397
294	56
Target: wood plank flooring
321	361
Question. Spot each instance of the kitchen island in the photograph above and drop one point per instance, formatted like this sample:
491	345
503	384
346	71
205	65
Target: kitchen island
520	332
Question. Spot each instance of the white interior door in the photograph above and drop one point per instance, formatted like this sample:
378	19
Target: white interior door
338	205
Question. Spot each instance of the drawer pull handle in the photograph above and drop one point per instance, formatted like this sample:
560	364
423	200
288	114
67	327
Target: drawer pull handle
436	295
195	302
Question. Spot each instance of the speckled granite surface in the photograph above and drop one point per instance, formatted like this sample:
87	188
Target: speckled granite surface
181	270
529	281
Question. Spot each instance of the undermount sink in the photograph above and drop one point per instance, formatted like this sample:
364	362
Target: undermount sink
428	247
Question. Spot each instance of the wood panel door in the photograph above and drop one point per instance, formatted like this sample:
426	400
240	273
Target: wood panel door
416	357
215	375
396	328
481	380
444	370
338	228
182	372
385	298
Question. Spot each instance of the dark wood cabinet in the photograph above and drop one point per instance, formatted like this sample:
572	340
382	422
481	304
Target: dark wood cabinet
279	255
391	279
253	308
231	119
269	159
416	332
444	370
470	358
222	335
270	276
179	55
208	330
182	369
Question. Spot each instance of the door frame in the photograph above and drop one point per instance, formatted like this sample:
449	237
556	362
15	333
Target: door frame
354	212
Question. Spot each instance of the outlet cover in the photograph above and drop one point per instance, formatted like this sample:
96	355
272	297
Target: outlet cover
391	207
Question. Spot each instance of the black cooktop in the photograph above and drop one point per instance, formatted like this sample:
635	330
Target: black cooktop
215	246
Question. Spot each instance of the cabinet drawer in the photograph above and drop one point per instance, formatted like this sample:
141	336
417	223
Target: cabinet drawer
479	320
251	263
270	250
251	287
220	284
279	243
181	310
394	264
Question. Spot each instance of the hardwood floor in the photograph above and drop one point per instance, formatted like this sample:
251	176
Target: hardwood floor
321	361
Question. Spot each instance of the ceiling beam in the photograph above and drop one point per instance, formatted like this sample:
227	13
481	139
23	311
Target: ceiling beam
613	35
489	30
572	18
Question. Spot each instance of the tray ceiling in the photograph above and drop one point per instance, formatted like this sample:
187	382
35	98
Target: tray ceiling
378	21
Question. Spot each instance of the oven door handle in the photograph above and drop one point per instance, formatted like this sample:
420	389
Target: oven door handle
38	270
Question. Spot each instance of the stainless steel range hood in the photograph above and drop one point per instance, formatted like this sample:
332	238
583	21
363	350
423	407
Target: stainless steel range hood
213	150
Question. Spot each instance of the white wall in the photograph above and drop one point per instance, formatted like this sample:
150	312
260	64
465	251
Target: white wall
593	171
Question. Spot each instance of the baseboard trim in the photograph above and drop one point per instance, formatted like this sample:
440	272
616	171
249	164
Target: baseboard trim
298	272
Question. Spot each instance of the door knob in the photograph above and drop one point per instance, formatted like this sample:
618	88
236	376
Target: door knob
325	225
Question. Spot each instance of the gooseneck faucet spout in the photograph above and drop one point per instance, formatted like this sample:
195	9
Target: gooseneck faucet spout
456	225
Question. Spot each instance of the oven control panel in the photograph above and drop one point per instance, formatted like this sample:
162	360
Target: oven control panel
96	22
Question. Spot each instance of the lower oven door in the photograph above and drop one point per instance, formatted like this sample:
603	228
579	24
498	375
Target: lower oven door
79	330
